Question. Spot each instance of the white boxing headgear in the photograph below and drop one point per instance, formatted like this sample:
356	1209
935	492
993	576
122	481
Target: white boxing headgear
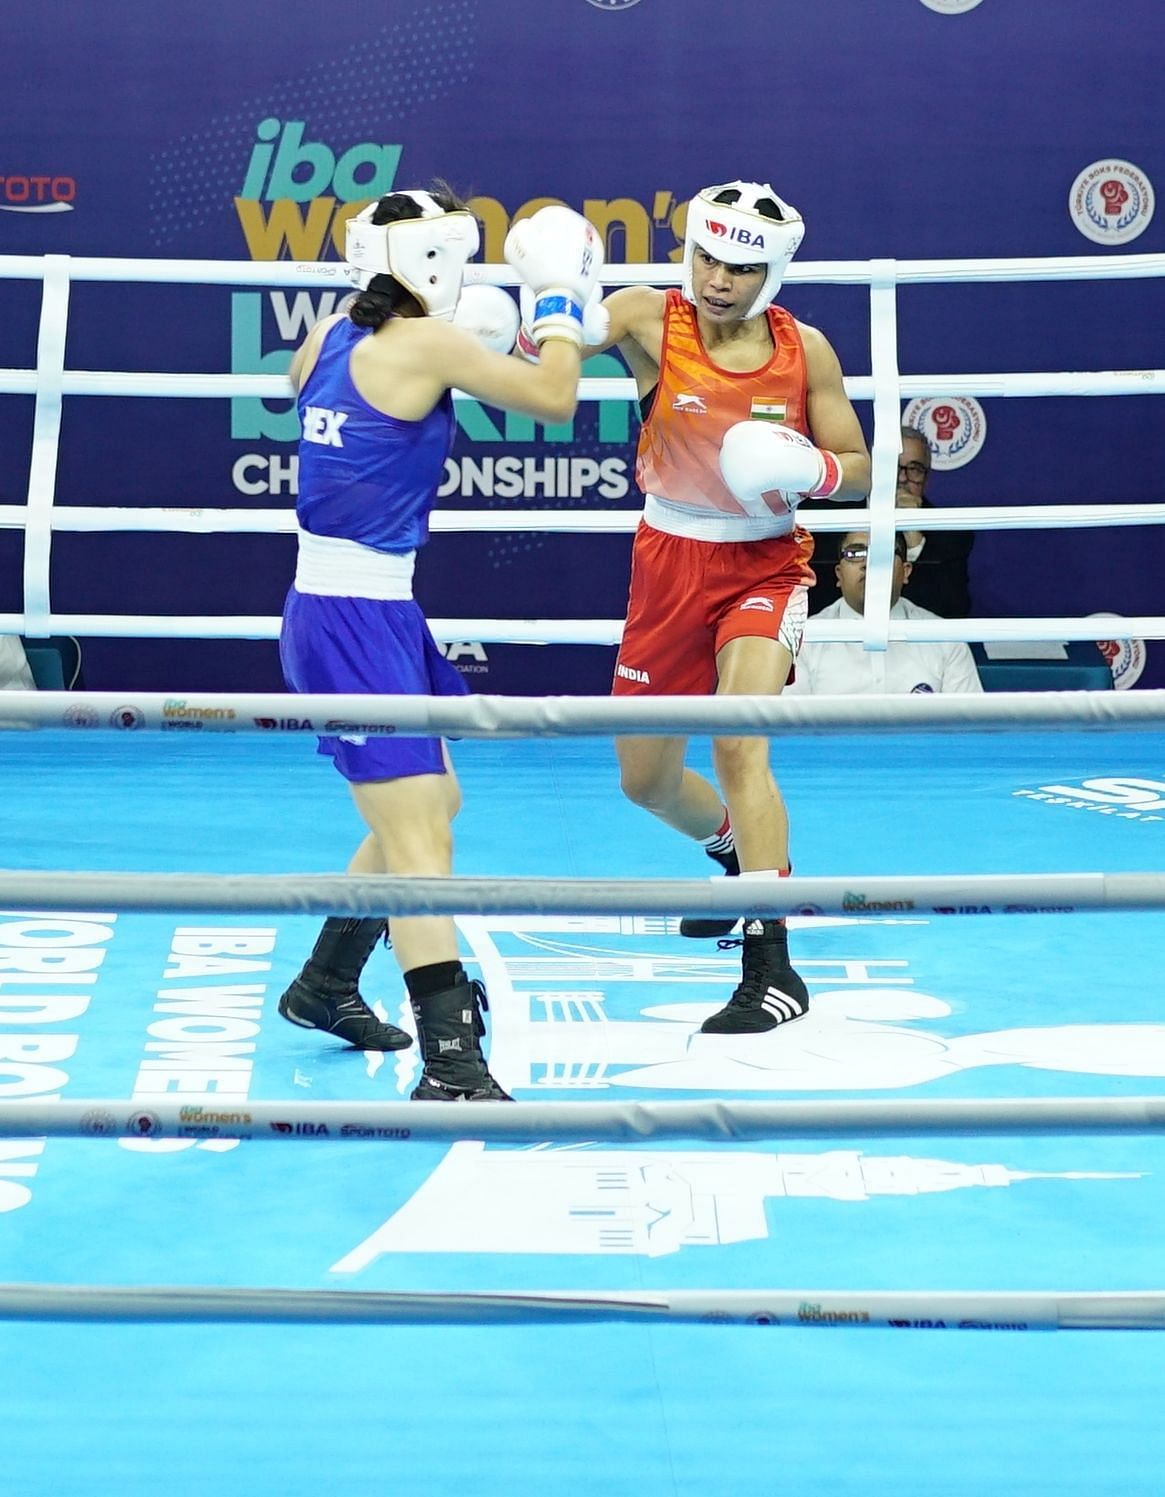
738	233
426	255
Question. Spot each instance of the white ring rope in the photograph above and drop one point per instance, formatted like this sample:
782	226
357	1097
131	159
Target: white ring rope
491	716
885	386
857	387
580	1122
197	521
594	631
927	1310
381	894
816	272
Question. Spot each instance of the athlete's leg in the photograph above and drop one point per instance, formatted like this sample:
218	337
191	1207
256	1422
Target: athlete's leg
653	775
747	666
770	992
408	820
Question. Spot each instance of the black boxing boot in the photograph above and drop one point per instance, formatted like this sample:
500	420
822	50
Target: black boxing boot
769	992
325	995
450	1028
707	926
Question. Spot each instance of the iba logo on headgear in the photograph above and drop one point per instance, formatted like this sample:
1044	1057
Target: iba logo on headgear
37	193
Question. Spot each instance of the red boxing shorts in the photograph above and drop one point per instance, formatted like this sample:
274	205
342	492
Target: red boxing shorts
689	598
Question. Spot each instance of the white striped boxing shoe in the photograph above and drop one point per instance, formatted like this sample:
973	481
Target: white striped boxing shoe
769	993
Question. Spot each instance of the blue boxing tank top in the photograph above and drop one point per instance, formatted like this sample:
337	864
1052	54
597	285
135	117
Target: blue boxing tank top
365	476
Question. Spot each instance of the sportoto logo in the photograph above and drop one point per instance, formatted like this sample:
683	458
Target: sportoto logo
951	7
954	425
1125	657
1111	202
36	193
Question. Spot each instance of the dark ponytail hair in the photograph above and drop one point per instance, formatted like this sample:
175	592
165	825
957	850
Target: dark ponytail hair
385	297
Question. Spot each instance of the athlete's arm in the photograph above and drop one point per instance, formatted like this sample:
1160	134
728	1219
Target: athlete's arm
636	328
547	390
304	359
635	316
832	419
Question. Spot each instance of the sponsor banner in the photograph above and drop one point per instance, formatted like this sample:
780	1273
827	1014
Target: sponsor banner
1126	799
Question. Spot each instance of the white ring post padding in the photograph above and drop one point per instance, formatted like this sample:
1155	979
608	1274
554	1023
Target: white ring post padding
715	1120
489	716
929	1310
886	447
46	435
380	894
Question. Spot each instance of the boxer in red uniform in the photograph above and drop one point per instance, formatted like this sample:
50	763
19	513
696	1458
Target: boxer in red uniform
744	414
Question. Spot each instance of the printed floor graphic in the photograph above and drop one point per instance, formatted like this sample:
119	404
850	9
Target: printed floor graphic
97	1003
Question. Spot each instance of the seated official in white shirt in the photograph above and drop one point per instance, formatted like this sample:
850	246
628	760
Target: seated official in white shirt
15	674
836	669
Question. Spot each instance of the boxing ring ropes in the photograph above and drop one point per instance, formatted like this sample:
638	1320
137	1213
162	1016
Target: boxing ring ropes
490	717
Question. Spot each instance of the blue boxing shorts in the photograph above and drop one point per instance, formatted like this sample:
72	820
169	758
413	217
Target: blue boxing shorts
361	645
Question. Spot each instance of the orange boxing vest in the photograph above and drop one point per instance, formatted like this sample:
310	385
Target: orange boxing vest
695	402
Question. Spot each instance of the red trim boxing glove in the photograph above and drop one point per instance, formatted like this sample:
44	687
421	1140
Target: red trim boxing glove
596	323
770	468
559	255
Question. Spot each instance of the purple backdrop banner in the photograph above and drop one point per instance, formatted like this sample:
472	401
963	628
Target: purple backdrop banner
912	128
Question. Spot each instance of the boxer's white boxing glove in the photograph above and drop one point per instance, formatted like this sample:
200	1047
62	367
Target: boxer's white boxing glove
490	314
559	255
596	323
770	468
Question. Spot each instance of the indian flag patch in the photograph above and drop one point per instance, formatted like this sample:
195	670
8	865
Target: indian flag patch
767	410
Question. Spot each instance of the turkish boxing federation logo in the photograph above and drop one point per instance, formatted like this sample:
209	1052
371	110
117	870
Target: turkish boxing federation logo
954	426
1125	657
1111	202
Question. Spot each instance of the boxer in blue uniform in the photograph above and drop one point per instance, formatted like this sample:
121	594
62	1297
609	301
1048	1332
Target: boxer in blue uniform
375	402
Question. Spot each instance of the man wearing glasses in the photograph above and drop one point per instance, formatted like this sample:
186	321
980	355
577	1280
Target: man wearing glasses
905	666
938	558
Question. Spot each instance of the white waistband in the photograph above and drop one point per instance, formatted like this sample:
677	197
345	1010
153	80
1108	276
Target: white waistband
709	524
346	569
